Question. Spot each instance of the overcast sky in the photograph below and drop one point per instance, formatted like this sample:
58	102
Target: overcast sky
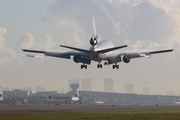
45	24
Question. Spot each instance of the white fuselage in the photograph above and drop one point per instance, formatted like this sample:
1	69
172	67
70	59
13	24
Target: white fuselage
99	102
75	99
177	102
103	44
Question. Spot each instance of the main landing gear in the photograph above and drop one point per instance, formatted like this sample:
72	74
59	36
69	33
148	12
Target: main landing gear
99	65
115	66
105	63
83	66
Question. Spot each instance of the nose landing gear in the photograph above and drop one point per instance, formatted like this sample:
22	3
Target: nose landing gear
99	65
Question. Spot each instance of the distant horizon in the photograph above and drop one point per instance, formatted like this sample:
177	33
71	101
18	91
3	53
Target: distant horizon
65	90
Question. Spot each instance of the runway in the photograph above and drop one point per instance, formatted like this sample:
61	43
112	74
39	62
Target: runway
41	109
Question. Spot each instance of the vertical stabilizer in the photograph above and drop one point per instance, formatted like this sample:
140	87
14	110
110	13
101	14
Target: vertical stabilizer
77	93
94	26
94	39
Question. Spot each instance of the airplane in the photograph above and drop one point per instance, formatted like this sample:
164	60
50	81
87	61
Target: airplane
65	99
99	102
74	99
177	102
57	100
100	50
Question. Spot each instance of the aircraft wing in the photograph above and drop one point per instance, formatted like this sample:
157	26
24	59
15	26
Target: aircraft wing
58	54
143	53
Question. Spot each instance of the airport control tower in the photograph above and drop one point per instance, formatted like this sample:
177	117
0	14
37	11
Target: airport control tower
73	84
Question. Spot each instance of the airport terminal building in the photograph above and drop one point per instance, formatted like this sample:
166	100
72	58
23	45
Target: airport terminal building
18	96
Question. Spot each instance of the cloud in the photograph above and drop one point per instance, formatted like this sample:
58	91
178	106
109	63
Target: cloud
74	40
131	20
113	22
47	45
138	44
2	32
7	55
27	41
146	24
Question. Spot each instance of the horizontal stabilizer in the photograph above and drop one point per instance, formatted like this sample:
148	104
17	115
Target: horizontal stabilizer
78	49
100	51
111	49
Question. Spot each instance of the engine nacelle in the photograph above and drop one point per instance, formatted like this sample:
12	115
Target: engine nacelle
126	59
94	40
82	59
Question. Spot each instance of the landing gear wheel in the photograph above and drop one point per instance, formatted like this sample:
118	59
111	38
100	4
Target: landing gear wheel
105	63
83	66
115	66
99	65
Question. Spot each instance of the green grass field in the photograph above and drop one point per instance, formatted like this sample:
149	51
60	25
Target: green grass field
130	115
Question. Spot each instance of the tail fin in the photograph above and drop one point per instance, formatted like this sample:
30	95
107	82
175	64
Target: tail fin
77	94
94	26
50	97
95	38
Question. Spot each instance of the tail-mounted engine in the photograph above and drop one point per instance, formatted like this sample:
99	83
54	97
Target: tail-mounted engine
126	59
94	40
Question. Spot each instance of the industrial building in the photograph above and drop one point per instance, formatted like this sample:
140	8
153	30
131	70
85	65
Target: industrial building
129	88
